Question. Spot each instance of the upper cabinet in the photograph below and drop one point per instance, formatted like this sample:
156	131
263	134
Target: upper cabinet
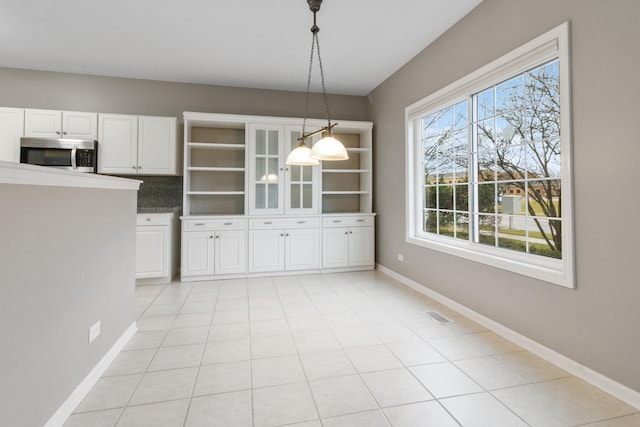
60	124
145	145
275	187
235	165
11	129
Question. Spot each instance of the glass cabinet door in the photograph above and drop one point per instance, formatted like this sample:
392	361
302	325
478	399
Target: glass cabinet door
301	181
268	171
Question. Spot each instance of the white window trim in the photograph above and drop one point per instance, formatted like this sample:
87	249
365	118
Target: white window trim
552	44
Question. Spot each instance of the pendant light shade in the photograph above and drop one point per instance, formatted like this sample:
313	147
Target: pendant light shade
301	156
328	148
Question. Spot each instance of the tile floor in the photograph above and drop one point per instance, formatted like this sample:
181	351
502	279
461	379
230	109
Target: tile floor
332	350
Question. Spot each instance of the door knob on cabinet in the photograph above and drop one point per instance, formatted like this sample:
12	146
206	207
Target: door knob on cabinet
217	237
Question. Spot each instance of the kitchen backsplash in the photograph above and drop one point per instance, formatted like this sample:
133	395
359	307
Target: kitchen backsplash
159	192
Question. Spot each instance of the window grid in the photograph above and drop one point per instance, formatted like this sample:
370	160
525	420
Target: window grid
490	137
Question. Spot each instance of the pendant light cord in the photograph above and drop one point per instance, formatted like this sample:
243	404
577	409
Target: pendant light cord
315	42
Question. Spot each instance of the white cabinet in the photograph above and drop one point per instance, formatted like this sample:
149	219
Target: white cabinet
154	247
284	244
197	254
131	144
213	247
118	143
275	187
60	124
296	218
11	129
348	242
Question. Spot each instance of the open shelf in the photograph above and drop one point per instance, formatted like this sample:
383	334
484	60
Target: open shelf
215	146
346	171
213	169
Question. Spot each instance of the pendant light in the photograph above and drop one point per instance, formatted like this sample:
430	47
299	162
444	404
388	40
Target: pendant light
328	148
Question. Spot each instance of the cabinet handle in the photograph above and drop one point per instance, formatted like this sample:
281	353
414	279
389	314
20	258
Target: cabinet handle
228	223
64	133
281	169
281	235
133	167
302	222
148	219
351	232
360	220
287	234
211	237
268	223
337	220
199	224
139	167
57	133
218	236
346	232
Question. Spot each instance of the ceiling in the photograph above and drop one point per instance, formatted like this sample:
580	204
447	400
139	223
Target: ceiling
245	43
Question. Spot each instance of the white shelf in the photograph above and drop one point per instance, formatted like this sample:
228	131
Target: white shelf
345	171
213	169
214	193
345	192
215	146
357	150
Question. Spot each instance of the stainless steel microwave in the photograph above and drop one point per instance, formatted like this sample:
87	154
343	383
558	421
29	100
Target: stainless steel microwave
71	154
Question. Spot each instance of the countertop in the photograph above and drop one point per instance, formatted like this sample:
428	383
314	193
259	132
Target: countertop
177	210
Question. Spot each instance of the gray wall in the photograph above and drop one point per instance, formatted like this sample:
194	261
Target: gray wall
75	92
67	258
597	323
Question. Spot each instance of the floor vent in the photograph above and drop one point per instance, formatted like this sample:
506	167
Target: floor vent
434	315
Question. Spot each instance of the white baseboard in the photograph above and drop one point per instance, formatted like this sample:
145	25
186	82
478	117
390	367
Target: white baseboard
614	388
74	399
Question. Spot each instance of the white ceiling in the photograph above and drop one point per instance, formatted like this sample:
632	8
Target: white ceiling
245	43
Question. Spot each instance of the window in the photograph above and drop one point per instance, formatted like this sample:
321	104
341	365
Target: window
489	164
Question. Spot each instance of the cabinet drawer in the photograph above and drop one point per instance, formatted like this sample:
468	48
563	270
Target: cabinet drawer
153	219
213	224
347	221
266	223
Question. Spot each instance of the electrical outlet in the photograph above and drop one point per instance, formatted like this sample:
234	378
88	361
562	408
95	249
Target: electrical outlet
400	257
94	331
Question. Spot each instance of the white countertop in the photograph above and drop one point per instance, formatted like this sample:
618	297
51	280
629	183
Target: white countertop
23	174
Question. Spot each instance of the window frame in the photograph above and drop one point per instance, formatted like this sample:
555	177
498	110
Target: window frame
553	44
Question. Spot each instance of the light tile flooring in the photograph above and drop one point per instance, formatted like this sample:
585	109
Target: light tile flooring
333	350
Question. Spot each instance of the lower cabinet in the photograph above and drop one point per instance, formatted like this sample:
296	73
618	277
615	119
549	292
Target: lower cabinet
213	248
284	249
348	242
221	247
154	247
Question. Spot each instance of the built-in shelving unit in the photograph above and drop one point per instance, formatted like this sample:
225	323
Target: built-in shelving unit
248	214
215	166
346	185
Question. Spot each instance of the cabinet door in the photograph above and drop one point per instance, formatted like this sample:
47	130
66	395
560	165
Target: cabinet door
157	145
301	182
335	247
152	252
230	252
302	249
361	246
266	250
117	144
197	254
266	175
11	128
78	125
43	123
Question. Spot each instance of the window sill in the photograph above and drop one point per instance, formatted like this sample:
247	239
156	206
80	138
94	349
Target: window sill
554	271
